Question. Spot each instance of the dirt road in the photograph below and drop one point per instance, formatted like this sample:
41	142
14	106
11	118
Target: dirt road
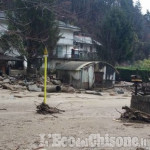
85	114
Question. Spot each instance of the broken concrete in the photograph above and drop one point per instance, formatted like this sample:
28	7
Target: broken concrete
6	81
93	92
67	89
34	88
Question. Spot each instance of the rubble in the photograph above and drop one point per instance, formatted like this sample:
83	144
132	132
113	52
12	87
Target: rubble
34	84
34	88
6	81
140	149
1	78
56	82
93	92
119	90
67	89
45	109
131	114
7	86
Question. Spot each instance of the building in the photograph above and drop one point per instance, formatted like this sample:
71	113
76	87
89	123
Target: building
72	47
65	44
78	74
4	62
85	48
87	75
105	74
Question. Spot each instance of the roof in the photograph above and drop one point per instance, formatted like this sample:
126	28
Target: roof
83	39
105	63
64	25
8	58
73	65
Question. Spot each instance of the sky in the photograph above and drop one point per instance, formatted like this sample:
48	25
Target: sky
145	5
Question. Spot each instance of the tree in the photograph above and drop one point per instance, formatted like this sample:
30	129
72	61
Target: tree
117	37
33	25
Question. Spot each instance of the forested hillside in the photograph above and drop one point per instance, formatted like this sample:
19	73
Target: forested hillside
118	24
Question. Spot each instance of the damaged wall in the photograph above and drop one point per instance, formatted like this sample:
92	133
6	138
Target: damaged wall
105	75
83	78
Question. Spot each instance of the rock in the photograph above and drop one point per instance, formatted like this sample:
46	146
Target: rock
18	96
29	83
34	88
18	87
6	81
119	91
68	89
21	83
7	86
71	90
1	78
12	78
140	149
1	82
56	82
93	92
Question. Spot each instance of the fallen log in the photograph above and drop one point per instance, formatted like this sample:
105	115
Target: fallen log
134	115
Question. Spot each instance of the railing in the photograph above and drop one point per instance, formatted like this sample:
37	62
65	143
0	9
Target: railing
75	57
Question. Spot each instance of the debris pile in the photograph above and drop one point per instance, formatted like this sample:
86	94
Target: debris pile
131	114
125	86
46	109
144	89
33	84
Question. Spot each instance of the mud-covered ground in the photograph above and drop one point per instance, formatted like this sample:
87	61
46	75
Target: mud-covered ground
21	127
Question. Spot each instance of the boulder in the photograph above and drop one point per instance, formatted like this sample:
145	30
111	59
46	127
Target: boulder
6	81
68	89
34	88
119	91
56	82
1	78
7	86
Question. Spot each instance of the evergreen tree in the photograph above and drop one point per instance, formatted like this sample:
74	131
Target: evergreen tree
117	36
33	24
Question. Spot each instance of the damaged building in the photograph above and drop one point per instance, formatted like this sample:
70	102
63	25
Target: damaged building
77	73
86	75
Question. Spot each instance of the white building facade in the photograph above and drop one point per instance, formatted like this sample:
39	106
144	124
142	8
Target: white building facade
65	44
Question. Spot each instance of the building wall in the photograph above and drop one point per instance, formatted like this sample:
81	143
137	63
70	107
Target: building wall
53	63
83	78
70	77
106	72
88	77
66	37
65	44
63	51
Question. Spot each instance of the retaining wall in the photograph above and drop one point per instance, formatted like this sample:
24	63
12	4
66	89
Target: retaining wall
141	103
